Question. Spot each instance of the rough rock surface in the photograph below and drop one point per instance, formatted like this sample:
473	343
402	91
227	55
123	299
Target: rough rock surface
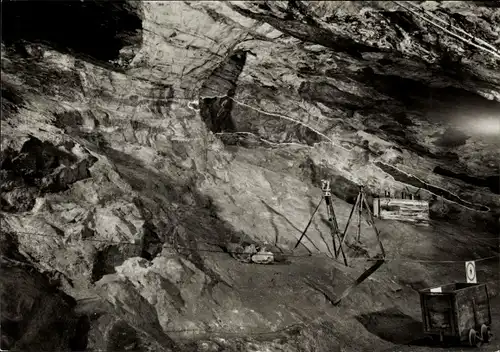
139	139
36	316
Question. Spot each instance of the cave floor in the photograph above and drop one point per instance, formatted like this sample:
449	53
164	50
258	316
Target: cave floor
424	345
383	311
381	314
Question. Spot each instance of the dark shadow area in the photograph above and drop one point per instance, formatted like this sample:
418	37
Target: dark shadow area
174	293
403	119
36	169
435	104
216	113
452	138
392	325
393	129
152	242
330	95
306	136
196	227
122	337
79	341
68	120
93	29
105	262
11	100
216	93
490	3
42	79
35	314
491	182
341	187
401	19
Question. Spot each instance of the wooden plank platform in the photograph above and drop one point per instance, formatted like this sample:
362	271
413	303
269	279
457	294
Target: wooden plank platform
411	210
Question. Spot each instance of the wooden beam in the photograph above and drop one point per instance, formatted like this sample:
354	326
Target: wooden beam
411	210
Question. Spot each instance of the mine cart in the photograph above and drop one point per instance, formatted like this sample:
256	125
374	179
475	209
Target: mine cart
458	311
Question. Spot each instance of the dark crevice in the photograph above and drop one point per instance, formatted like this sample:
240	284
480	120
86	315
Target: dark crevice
105	262
304	135
394	130
298	7
122	337
216	113
38	168
97	30
152	243
491	182
217	93
488	3
402	119
401	19
392	325
79	341
11	100
330	95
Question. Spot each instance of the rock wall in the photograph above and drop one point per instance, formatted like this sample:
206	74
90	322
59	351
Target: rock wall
131	154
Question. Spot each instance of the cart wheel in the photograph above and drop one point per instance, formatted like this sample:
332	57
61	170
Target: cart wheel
474	339
486	333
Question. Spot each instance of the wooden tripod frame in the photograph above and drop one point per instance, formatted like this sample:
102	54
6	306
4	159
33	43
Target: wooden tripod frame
332	219
360	202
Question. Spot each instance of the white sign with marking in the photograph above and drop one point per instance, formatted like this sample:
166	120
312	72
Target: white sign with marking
470	272
437	290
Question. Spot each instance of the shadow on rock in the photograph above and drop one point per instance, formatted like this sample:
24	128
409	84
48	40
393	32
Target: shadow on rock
122	337
392	325
196	225
39	167
35	315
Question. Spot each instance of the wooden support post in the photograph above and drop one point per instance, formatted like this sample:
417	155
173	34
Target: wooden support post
344	235
373	225
359	280
360	214
308	224
376	207
329	214
335	233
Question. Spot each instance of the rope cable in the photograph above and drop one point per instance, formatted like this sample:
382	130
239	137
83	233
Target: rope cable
400	259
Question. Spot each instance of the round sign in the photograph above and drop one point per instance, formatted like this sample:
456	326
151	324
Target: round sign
471	271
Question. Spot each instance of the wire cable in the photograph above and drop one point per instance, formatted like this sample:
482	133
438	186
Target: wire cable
178	247
449	32
458	29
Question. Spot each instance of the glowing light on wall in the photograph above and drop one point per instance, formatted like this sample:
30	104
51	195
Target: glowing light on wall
486	126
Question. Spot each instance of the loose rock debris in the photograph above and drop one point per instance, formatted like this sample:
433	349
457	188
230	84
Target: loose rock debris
250	253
